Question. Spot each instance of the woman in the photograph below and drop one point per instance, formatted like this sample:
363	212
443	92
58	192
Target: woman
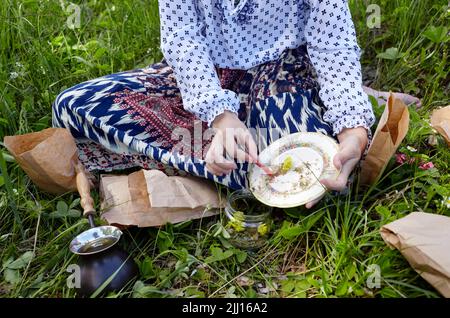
277	67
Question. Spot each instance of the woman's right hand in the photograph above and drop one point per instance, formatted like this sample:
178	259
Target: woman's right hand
231	138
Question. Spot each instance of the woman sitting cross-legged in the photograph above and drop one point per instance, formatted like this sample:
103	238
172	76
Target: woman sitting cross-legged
270	66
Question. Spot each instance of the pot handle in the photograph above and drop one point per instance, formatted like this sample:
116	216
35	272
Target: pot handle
84	189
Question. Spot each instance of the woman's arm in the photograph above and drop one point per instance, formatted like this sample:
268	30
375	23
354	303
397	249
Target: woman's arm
334	52
186	51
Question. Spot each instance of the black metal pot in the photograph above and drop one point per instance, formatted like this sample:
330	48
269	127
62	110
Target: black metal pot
95	269
101	261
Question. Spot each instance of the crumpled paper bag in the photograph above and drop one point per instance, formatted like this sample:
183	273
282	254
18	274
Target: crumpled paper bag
151	198
391	131
48	157
440	120
424	240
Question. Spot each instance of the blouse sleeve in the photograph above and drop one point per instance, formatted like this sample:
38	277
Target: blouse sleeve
335	54
186	51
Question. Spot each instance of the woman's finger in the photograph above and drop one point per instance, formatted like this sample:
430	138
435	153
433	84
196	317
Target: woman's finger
227	165
216	158
216	169
216	149
234	148
212	168
309	205
230	143
340	183
246	139
346	153
241	156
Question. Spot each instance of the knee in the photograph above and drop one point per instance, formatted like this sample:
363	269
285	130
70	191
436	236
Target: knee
60	108
57	111
61	100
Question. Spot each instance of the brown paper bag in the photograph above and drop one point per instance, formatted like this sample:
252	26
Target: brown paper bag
48	157
151	198
424	240
440	120
391	131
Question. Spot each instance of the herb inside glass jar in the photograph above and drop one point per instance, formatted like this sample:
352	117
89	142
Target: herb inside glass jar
248	221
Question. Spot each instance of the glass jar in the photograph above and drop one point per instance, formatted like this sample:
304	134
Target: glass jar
247	221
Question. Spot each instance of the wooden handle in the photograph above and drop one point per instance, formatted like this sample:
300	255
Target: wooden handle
84	189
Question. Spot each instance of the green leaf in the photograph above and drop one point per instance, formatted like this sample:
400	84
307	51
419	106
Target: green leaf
287	286
219	229
227	254
218	255
251	293
57	215
11	276
147	269
358	291
73	213
2	181
383	211
225	233
241	256
38	282
391	54
216	252
292	232
58	41
74	203
8	157
140	290
62	207
442	191
436	34
225	243
314	282
193	292
301	294
164	241
342	289
22	261
230	292
293	212
99	53
311	220
350	271
302	285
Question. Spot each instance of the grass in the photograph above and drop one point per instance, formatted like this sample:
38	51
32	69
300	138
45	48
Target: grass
330	252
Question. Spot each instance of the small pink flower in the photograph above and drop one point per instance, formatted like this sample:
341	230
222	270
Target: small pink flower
426	166
400	158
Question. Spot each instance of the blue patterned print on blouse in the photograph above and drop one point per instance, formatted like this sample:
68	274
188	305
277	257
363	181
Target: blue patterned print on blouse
199	35
242	16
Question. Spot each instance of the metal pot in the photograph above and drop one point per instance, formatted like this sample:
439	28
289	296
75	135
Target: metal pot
101	261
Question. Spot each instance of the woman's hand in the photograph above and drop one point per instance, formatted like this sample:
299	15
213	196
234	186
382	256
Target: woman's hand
233	139
353	142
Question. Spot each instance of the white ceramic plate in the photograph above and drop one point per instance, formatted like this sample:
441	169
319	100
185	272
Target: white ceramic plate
312	157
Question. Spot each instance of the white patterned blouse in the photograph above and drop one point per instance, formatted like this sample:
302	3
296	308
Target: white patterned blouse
197	35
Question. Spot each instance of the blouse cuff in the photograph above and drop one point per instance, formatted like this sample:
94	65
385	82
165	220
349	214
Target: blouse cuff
218	102
350	121
353	121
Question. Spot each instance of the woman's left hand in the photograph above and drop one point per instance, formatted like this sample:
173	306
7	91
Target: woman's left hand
353	142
